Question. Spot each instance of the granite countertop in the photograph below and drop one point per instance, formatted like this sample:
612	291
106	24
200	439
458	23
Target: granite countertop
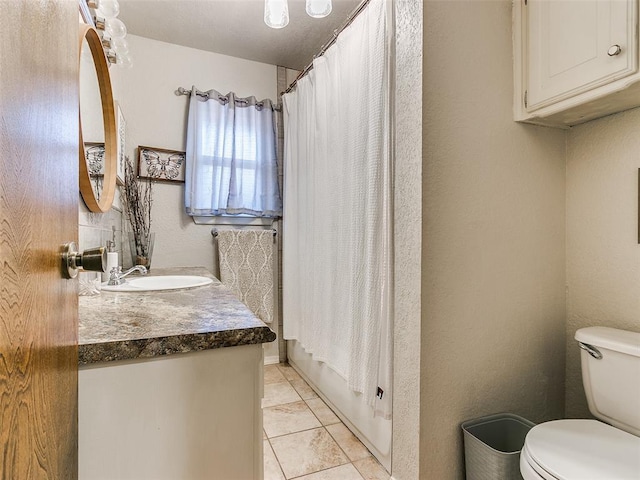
123	326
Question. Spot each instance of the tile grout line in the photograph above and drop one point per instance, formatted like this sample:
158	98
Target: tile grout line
277	459
299	431
348	462
339	422
280	404
312	412
321	426
324	403
269	439
328	468
305	400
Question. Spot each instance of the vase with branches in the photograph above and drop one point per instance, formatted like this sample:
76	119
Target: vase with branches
136	202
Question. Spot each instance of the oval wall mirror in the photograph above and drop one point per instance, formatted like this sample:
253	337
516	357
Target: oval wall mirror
97	124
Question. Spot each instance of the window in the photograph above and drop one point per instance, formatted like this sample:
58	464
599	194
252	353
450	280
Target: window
231	157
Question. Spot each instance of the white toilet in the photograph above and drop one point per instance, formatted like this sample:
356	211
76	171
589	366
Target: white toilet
591	449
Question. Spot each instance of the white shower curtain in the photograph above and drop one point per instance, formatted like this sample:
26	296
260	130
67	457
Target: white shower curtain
337	252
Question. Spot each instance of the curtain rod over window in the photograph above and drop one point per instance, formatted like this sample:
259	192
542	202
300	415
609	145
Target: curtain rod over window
333	39
187	91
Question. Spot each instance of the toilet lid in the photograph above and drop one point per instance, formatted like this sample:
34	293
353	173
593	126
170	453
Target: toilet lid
583	449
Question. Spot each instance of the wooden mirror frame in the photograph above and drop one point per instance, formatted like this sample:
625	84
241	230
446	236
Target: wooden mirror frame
109	121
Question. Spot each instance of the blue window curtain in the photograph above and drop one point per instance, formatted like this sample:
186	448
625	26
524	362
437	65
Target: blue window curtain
231	157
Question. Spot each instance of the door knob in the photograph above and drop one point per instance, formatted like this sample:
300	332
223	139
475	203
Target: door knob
614	50
93	259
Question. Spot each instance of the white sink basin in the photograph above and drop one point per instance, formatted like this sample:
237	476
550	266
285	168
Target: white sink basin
162	282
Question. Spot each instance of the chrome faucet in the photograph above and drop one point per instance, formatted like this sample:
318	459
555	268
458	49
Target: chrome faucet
116	277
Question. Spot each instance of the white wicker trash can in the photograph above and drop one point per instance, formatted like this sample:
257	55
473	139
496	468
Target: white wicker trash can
492	446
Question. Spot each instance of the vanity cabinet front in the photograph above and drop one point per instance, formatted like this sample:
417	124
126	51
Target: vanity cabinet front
170	383
575	60
191	416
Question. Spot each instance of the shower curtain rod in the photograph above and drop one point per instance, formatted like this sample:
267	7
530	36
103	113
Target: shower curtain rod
326	46
187	91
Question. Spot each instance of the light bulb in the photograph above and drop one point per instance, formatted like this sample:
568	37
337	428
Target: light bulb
115	28
318	8
120	45
276	13
109	8
124	60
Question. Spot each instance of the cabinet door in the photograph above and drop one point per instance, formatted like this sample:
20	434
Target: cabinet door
572	46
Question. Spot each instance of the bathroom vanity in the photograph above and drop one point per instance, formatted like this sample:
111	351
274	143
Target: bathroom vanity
170	384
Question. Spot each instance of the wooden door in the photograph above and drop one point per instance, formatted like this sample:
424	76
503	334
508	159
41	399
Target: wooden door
569	46
38	213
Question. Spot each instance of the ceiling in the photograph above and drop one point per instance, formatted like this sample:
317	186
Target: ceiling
235	27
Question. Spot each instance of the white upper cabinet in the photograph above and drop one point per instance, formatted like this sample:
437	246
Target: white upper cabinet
570	43
574	60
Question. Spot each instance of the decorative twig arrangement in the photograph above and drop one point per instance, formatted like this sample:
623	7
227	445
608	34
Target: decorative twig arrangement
136	202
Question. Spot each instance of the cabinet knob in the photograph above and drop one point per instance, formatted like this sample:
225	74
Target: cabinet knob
614	50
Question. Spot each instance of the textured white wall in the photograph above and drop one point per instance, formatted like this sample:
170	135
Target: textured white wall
407	240
493	308
157	118
603	255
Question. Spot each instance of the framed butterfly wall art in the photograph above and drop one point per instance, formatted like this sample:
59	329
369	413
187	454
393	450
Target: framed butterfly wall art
161	164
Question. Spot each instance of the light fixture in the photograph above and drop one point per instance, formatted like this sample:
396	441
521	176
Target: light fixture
120	45
115	28
276	13
112	31
317	8
124	60
108	8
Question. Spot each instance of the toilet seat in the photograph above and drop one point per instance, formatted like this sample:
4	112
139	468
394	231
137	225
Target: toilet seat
530	470
582	449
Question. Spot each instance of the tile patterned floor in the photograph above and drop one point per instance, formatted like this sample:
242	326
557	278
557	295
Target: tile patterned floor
304	439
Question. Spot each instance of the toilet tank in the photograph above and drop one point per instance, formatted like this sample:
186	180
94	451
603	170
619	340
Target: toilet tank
612	382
